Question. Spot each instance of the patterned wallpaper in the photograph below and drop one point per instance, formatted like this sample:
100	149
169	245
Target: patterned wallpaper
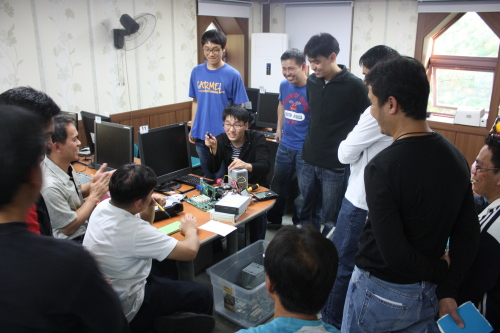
277	17
375	22
65	48
389	22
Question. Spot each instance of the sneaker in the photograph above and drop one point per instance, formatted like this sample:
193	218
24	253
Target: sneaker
184	323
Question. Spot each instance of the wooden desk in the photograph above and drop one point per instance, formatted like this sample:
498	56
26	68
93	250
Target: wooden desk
186	268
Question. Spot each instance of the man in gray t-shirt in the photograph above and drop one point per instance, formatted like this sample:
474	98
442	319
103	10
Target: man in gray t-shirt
62	192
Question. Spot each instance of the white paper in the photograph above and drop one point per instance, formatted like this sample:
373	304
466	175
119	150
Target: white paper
218	227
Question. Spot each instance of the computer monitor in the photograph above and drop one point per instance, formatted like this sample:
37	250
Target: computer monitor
72	115
267	116
88	120
166	151
114	145
253	103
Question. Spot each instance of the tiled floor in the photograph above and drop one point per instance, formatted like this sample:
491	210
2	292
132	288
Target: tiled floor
222	324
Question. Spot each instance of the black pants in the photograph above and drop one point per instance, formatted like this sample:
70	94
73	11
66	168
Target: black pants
163	296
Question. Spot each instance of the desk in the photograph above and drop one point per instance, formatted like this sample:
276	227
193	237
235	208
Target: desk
186	268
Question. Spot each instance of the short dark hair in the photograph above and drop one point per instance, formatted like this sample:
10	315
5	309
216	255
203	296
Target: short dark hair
294	54
376	54
60	133
61	122
405	79
22	144
236	111
214	36
493	143
32	100
131	182
302	265
322	44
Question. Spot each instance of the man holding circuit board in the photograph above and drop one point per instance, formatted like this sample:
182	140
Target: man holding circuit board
241	148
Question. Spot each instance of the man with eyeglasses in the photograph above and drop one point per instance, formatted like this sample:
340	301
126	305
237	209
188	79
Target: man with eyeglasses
481	283
213	85
241	148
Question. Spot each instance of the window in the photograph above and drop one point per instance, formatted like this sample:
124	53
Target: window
462	65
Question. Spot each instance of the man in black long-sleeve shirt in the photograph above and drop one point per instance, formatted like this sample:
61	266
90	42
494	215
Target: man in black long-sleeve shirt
241	148
418	194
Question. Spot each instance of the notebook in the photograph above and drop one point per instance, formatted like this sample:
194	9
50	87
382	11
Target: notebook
171	228
474	321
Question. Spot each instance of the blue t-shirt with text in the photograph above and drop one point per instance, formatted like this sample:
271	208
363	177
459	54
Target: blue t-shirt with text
297	115
214	90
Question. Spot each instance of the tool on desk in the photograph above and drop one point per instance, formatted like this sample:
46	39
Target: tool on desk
159	206
253	187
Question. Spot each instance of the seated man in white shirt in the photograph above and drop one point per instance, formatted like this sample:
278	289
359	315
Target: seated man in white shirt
124	243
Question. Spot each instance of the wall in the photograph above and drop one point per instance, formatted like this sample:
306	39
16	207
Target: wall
376	22
65	48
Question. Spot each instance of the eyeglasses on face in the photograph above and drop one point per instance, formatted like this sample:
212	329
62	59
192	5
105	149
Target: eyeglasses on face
478	168
235	126
214	51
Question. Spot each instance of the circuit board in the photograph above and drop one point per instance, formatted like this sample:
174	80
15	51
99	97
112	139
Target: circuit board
207	199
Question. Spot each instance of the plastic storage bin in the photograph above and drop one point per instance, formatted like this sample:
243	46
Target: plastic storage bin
245	307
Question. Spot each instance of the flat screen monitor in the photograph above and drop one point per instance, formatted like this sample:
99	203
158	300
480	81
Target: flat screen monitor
114	145
253	103
72	115
267	116
166	151
253	99
88	120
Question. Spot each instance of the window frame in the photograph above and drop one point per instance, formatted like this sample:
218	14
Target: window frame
460	63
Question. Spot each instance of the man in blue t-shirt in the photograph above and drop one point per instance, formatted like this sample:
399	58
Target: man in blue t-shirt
293	119
213	86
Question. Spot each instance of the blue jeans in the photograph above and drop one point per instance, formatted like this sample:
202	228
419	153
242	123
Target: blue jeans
374	305
322	189
345	238
288	162
203	154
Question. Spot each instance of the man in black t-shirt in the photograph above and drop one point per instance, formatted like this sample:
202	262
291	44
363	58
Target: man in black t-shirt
419	195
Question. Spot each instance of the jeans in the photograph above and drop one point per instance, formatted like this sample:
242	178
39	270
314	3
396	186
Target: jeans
288	162
203	154
345	238
256	228
374	305
322	189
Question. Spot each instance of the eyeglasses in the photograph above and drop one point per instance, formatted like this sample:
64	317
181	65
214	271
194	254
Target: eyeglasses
214	51
479	168
235	126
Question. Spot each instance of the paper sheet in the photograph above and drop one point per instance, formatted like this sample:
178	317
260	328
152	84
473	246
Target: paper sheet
218	227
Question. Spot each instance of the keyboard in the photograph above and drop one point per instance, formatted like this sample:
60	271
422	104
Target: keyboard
189	180
269	135
83	178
